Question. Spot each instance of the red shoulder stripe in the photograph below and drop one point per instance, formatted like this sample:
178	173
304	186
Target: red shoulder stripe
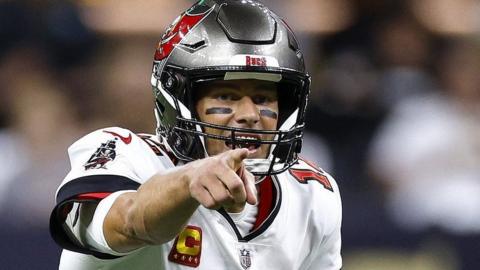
93	196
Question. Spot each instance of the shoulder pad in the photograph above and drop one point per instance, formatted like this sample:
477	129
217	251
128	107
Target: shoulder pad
303	164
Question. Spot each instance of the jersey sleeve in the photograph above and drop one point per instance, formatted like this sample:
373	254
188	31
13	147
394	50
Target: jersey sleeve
327	253
326	217
102	162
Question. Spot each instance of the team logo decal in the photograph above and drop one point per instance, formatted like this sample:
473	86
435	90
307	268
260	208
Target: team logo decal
187	247
179	29
104	154
245	260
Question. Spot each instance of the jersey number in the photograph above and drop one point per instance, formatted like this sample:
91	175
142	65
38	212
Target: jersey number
303	176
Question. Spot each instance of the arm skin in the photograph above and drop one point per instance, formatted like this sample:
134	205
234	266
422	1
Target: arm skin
160	208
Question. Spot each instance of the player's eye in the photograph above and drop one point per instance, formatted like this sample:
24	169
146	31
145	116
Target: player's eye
260	99
226	97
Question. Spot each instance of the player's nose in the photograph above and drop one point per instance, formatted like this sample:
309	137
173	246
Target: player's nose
247	112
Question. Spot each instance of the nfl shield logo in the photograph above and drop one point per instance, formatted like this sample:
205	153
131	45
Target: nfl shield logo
245	260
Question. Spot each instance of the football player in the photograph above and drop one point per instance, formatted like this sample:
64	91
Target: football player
221	185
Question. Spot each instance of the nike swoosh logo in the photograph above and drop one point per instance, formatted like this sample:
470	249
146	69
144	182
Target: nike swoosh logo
126	140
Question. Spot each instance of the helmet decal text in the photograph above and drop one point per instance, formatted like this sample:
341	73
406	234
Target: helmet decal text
255	61
250	60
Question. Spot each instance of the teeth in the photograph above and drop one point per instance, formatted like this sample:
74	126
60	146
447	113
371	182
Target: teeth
251	145
246	137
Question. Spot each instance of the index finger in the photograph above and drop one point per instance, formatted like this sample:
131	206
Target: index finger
235	158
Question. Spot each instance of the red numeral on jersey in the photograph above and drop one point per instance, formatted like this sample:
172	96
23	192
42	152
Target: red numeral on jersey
303	176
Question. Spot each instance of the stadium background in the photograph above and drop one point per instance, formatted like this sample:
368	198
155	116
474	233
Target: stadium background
394	115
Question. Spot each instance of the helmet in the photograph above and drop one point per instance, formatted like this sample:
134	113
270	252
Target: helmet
227	40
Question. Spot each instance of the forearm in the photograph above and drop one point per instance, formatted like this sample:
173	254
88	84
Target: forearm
160	208
152	215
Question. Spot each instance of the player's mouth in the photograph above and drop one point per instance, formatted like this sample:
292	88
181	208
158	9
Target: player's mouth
249	141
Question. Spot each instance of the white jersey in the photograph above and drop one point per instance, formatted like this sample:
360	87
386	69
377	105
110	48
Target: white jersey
297	225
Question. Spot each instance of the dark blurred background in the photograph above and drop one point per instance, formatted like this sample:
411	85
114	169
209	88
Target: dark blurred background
394	115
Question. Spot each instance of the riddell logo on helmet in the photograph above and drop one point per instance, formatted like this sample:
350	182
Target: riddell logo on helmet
256	61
